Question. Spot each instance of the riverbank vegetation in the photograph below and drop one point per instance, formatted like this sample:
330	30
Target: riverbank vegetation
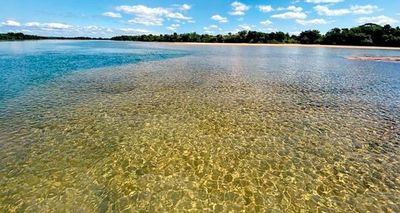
21	37
18	37
364	35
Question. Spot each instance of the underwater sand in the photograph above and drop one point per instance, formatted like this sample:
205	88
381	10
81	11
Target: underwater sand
207	132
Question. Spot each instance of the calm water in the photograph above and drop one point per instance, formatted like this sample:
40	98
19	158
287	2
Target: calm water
27	64
110	127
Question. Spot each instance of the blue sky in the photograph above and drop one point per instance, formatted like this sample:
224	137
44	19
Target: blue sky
107	18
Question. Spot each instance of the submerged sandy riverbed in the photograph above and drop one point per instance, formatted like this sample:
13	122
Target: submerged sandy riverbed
230	129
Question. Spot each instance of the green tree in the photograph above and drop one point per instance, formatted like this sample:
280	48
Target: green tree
310	37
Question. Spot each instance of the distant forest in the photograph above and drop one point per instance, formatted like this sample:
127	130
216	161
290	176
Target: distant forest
21	36
364	35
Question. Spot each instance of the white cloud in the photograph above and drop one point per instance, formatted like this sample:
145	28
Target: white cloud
32	24
325	11
294	8
219	18
185	7
90	30
356	9
245	27
112	15
134	31
290	15
238	8
63	29
323	1
211	29
11	23
270	29
294	12
151	16
173	27
49	26
148	21
93	29
381	20
143	10
177	16
265	8
266	22
56	26
291	8
366	9
26	31
311	22
295	33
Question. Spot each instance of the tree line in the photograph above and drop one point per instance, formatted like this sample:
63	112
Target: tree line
366	35
18	37
21	36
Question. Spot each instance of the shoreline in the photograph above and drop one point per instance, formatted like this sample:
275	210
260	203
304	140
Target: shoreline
287	45
375	58
282	45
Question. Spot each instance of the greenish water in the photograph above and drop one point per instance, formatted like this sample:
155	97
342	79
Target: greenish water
220	129
24	65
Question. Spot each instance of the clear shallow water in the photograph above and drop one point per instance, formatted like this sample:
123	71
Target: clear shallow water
224	128
27	64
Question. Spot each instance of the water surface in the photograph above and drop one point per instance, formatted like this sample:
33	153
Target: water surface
31	63
217	129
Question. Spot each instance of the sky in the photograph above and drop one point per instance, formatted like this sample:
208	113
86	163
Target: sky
107	18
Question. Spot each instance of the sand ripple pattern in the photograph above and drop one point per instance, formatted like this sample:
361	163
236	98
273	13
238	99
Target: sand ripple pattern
203	133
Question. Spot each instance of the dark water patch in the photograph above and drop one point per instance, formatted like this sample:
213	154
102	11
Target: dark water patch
35	63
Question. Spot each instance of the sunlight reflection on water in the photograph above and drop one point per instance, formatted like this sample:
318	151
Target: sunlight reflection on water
224	129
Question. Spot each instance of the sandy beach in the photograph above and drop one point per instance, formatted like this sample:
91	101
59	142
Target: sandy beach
375	58
286	45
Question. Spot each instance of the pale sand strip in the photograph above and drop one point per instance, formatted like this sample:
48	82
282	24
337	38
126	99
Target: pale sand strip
282	45
376	58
